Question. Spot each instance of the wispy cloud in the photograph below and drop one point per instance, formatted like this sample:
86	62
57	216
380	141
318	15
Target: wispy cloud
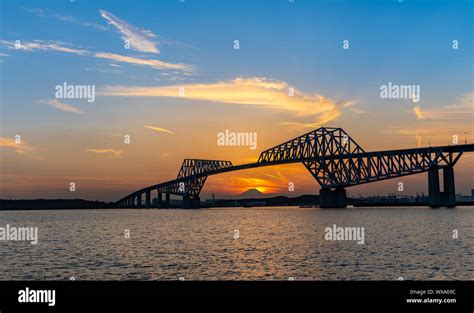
114	152
55	103
43	45
257	91
277	176
419	114
57	46
23	148
157	64
47	13
159	129
10	143
438	125
140	39
351	106
464	107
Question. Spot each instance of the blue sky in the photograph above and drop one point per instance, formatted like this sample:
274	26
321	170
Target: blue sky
298	44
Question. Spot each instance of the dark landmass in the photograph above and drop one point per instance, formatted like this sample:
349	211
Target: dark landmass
53	204
313	200
303	201
252	194
398	204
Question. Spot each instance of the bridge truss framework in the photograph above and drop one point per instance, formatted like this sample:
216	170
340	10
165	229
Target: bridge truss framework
335	161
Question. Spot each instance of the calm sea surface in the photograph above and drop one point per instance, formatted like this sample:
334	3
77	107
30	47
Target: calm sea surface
273	243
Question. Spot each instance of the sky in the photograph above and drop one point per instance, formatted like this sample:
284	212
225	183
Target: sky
168	76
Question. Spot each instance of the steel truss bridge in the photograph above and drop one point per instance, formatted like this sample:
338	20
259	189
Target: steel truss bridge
335	161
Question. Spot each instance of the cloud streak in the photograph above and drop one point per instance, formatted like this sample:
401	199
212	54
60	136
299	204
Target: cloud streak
419	114
23	148
42	45
140	39
10	143
257	91
157	64
57	46
65	18
114	152
55	103
463	108
159	129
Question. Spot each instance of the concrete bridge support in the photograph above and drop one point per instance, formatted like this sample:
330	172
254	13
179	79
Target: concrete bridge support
148	199
447	197
332	198
139	201
168	201
160	200
191	202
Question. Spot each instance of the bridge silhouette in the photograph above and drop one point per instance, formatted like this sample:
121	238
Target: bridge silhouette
335	161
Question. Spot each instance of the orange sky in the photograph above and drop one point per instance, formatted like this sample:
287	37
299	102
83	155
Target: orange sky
182	82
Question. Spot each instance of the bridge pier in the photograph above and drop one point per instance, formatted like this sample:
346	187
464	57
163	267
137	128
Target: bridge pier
196	202
336	198
447	197
191	202
139	201
168	201
160	200
148	199
449	192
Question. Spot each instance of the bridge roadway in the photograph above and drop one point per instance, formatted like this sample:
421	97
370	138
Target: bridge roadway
432	153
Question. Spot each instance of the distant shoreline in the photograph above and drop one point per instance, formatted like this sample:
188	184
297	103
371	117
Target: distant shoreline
280	201
53	204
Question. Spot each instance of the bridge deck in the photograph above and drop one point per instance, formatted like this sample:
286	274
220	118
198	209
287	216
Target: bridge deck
448	149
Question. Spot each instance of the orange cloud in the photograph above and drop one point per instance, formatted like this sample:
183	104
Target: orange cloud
22	148
419	114
115	153
159	129
257	91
